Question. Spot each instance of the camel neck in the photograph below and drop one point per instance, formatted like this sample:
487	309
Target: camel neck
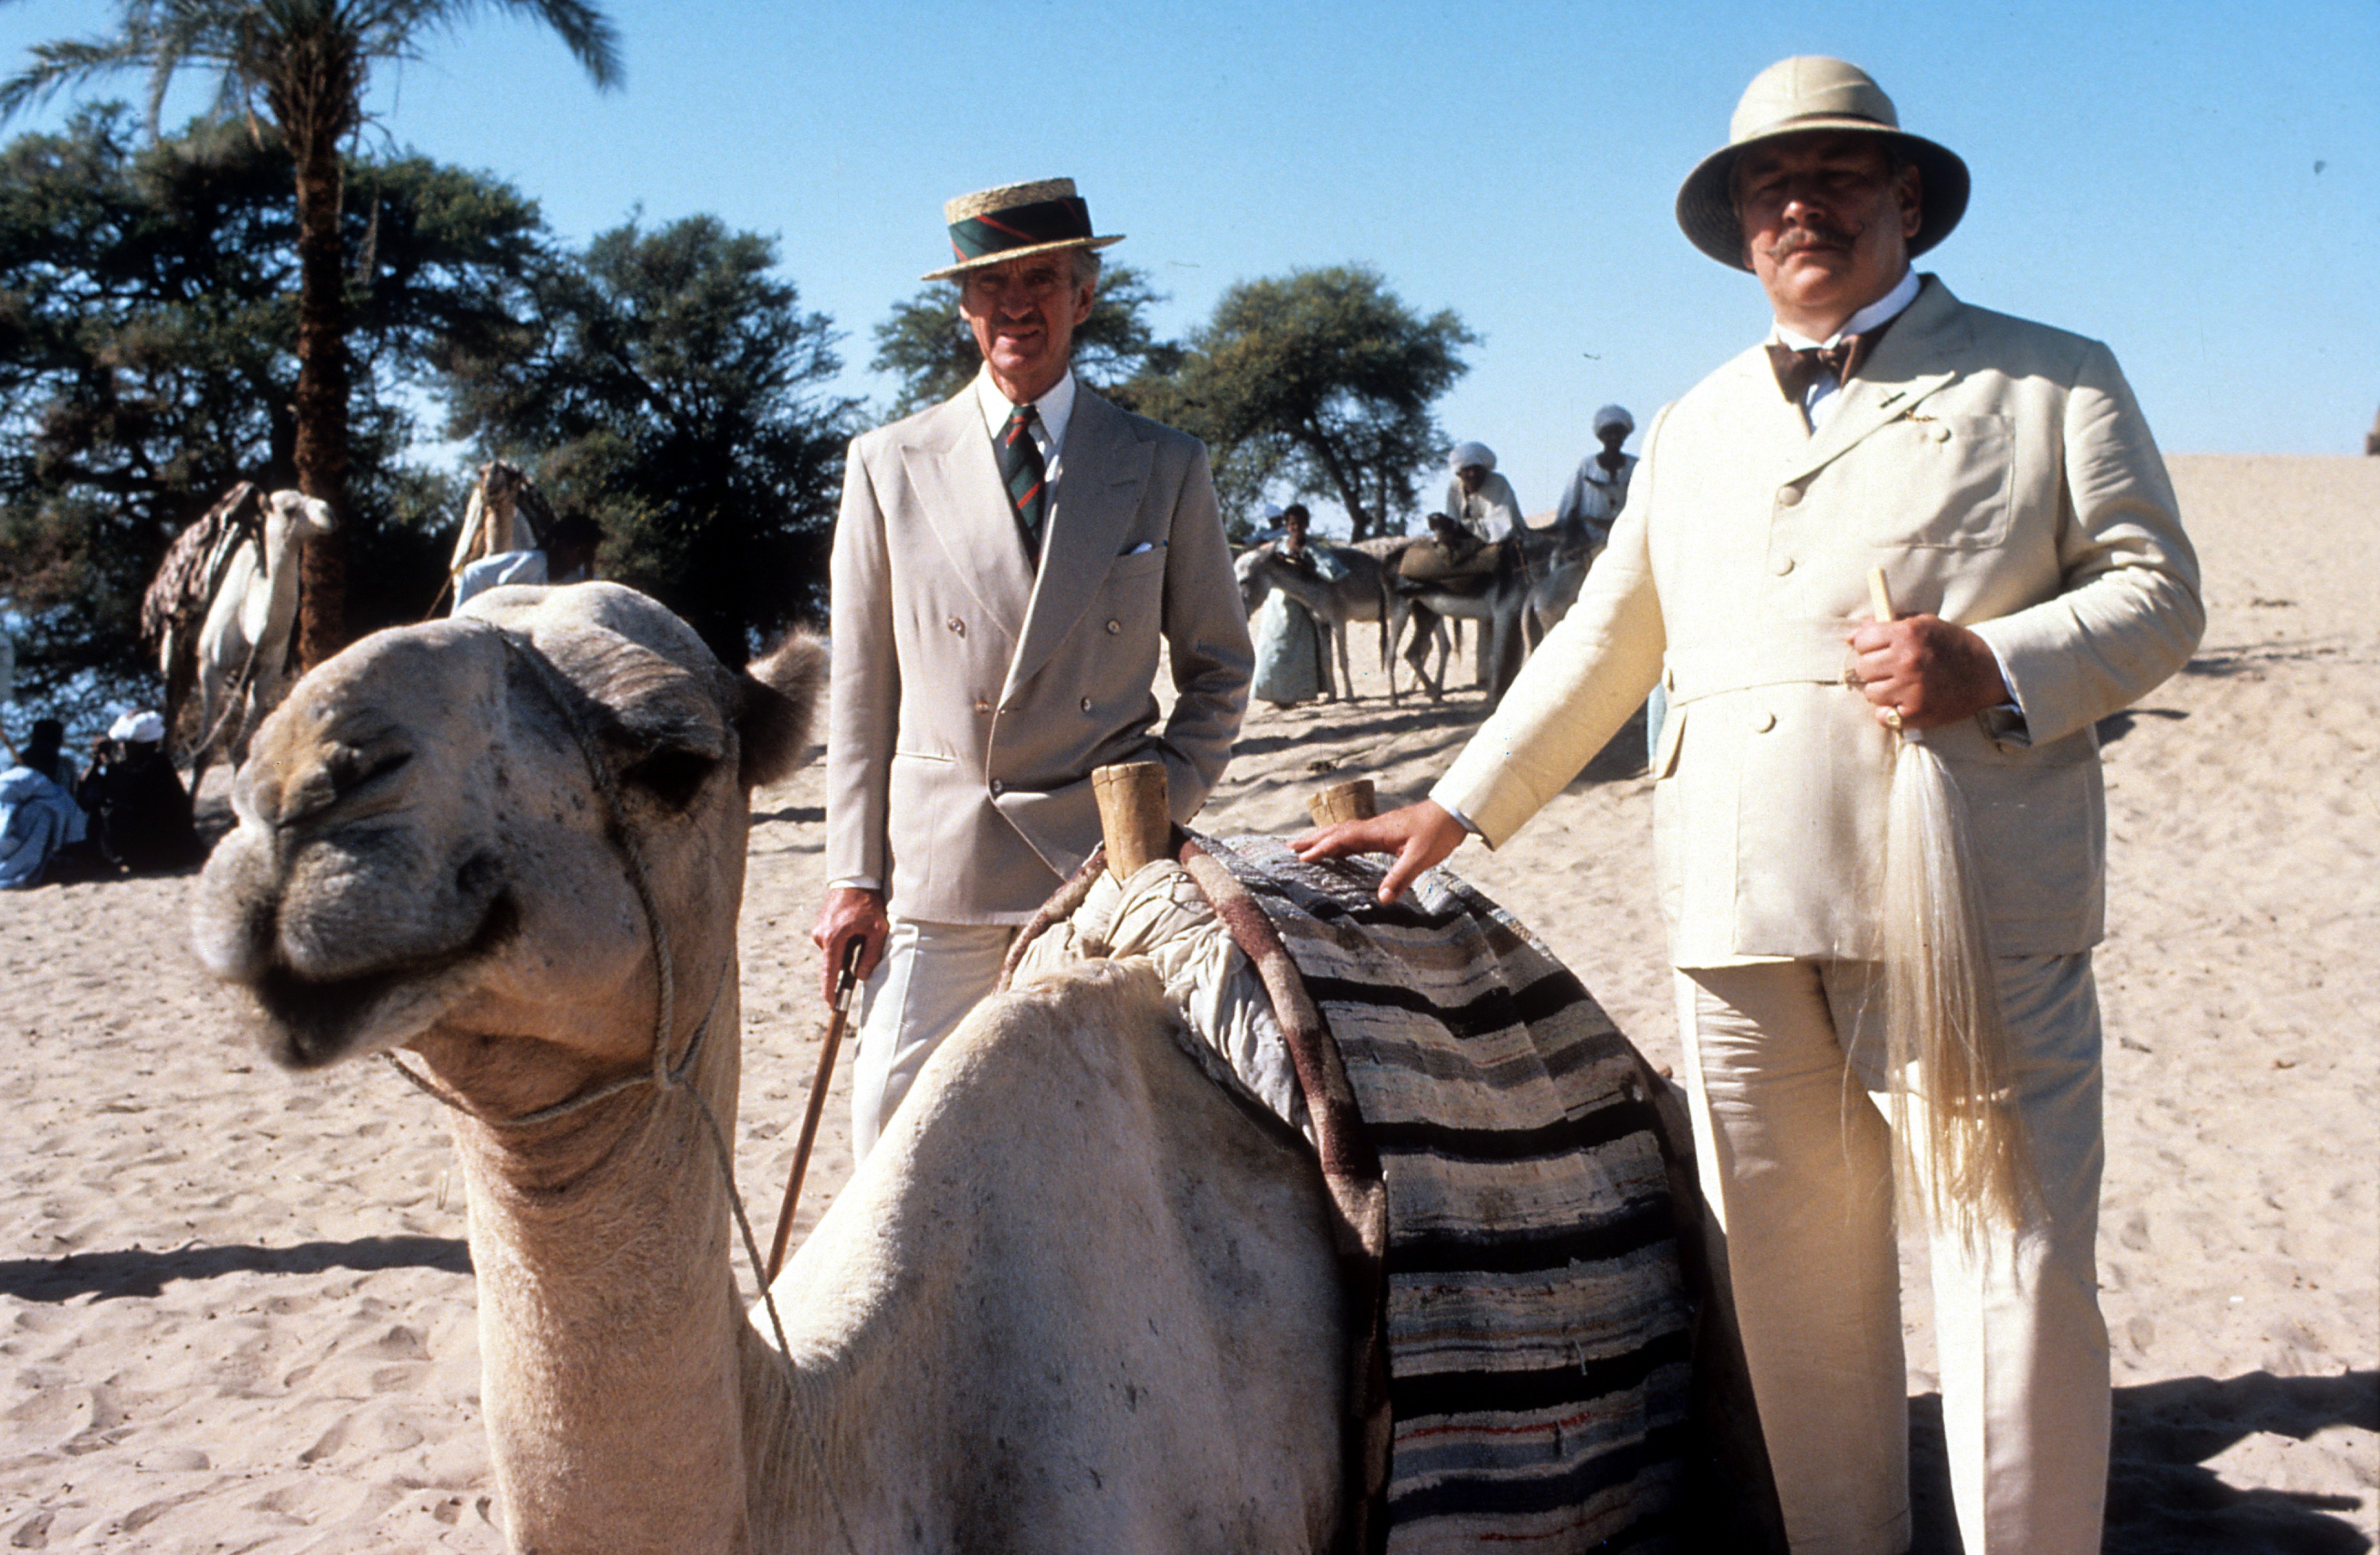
608	1319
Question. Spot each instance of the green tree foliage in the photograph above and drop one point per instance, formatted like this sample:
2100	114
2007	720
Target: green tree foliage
929	348
299	67
1321	379
148	330
672	389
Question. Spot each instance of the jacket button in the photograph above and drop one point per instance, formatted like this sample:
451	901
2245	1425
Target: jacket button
1762	722
1789	496
981	706
1087	704
1782	565
957	626
1114	627
997	786
1940	434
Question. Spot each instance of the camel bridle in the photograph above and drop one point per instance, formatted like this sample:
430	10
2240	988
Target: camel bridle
664	1076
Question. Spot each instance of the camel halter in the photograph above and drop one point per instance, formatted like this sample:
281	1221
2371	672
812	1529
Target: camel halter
664	1076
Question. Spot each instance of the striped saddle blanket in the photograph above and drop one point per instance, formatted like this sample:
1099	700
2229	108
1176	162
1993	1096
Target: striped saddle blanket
1536	1318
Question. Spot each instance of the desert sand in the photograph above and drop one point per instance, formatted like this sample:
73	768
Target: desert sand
235	1305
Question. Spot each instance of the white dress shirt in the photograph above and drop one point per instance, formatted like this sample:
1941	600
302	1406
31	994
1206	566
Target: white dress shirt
1051	412
1819	402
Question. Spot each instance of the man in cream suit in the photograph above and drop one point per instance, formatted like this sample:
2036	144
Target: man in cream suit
1004	568
2000	474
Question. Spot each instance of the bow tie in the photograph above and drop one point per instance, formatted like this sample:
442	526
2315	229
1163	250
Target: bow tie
1798	371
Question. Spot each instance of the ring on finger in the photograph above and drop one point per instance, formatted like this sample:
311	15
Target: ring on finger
1892	719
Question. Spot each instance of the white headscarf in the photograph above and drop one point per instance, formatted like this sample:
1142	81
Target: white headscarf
1613	415
1466	453
140	726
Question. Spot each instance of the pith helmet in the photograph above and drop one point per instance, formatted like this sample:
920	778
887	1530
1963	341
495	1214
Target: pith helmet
1806	92
992	227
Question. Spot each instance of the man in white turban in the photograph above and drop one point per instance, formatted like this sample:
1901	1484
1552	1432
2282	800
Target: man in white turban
1477	498
1598	489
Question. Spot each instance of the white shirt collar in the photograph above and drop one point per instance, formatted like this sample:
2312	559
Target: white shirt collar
1052	411
1889	305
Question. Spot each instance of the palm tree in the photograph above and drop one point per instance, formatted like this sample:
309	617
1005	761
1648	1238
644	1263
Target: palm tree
305	64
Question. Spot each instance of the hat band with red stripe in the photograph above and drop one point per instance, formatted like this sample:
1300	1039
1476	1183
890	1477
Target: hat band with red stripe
1066	220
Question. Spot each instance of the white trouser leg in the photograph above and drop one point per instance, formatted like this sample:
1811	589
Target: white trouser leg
2025	1400
930	976
1797	1164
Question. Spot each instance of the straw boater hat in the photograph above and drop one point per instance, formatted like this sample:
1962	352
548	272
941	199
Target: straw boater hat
1791	97
992	227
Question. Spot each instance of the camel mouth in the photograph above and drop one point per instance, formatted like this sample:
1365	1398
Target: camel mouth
314	1023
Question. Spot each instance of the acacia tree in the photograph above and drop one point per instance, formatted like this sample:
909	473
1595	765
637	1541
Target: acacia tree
1322	378
930	349
668	385
148	354
305	64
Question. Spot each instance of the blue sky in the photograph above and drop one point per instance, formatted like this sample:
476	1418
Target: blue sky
2198	184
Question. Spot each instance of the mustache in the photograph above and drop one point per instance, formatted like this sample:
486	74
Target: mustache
1811	235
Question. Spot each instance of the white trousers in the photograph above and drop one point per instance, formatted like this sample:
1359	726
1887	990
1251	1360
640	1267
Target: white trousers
1784	1066
930	977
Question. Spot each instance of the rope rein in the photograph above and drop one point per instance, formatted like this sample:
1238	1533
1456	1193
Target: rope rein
664	1076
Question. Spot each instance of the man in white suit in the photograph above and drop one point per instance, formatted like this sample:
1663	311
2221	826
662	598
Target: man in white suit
2000	473
1005	567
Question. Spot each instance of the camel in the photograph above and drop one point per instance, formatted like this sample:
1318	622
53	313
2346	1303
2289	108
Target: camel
244	647
503	500
1076	1298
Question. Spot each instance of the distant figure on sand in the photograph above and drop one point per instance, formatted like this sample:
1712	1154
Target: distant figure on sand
38	815
1598	488
2000	472
1292	656
139	811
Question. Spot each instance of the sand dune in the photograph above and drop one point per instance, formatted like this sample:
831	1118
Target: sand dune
236	1311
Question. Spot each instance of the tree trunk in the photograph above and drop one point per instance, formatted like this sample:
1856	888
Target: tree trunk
321	402
315	100
1359	521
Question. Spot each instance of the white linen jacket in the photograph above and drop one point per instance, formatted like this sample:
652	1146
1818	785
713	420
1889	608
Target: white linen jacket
2001	474
970	699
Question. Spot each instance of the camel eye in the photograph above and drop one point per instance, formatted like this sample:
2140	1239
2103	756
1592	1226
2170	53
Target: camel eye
674	774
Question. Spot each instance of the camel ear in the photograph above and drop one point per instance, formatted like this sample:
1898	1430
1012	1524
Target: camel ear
662	720
781	691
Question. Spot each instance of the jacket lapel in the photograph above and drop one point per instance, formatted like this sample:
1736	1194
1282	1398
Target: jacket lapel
950	464
1101	470
1888	386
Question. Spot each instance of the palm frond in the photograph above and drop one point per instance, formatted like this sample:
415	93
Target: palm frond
584	30
67	62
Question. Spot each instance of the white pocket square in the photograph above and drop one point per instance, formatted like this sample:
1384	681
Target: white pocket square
1144	545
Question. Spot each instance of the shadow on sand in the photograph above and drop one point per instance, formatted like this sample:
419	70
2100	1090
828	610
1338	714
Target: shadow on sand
2161	1498
137	1273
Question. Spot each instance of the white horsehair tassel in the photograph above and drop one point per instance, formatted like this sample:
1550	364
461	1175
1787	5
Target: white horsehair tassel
1965	1157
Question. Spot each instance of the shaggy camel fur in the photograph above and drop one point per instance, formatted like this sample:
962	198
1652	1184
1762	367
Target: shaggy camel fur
244	647
1075	1299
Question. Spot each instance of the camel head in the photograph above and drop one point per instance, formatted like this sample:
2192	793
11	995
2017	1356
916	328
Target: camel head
295	516
434	831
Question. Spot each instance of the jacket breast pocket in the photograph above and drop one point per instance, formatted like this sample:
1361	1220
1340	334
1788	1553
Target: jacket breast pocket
1139	564
1934	482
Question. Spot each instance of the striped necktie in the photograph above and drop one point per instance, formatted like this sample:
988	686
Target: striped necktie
1021	469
